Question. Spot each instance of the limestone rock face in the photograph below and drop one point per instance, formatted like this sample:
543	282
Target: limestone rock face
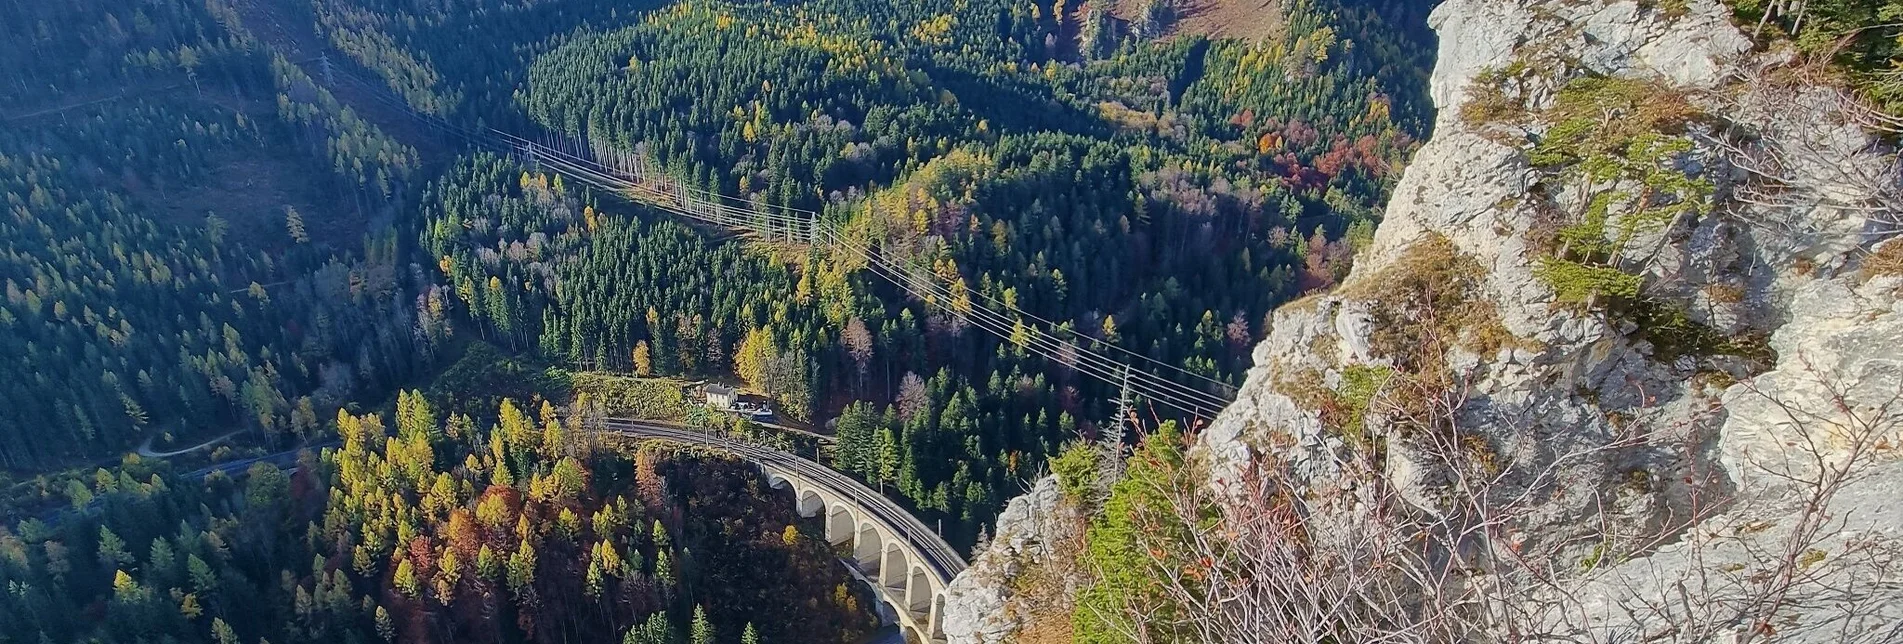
1850	339
977	601
1569	380
1572	373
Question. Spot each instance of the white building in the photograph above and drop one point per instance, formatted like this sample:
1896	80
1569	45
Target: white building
719	397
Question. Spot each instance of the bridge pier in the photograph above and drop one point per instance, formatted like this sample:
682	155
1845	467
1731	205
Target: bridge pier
810	503
936	618
918	592
906	564
883	555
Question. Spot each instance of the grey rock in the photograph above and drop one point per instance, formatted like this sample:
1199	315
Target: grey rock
976	601
1575	381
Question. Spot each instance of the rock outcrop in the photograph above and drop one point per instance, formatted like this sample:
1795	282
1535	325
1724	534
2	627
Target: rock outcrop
1768	358
978	605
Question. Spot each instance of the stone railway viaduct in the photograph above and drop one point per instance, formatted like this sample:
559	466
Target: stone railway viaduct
908	564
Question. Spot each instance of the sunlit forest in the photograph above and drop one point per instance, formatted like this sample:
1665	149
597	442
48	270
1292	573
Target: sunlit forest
233	233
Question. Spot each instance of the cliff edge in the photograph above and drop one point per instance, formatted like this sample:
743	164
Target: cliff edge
1623	361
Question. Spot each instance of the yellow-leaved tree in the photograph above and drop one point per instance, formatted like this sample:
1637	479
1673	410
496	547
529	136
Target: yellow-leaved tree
752	361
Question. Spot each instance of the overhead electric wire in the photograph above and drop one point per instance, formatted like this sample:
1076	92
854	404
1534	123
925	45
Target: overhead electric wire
1194	401
1051	348
703	205
1084	353
1190	400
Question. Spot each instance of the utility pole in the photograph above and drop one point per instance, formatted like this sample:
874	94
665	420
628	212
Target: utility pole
1112	439
1123	402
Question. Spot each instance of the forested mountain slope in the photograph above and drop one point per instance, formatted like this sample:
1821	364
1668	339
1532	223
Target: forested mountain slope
525	529
1124	189
160	274
1157	195
1619	364
202	238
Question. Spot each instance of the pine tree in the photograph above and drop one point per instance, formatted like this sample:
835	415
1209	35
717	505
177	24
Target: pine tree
890	457
592	581
124	588
112	549
664	569
754	358
386	627
405	579
521	568
222	633
703	631
204	580
643	359
294	223
656	630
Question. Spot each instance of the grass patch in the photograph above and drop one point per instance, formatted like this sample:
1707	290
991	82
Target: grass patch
1576	282
1622	142
632	397
1359	385
1431	296
477	382
1885	262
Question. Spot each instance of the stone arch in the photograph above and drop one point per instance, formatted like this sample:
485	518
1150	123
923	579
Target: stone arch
912	635
918	592
776	481
868	547
810	502
840	524
893	566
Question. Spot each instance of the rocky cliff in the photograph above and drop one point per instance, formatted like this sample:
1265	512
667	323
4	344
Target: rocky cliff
1637	298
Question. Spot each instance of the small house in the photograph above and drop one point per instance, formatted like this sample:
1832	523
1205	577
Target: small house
719	397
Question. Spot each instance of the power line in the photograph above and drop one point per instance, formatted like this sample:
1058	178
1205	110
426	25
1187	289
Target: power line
1192	401
630	177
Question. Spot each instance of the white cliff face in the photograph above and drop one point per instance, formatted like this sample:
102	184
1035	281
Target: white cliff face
978	603
1572	381
1550	391
1846	343
1570	369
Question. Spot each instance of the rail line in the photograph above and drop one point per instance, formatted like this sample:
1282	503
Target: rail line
631	177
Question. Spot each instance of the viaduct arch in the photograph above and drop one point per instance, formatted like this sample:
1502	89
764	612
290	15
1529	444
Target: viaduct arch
907	564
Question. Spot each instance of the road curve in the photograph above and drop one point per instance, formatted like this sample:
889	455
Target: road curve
145	448
939	556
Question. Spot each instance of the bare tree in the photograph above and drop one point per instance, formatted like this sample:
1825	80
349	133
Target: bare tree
1272	559
1796	145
